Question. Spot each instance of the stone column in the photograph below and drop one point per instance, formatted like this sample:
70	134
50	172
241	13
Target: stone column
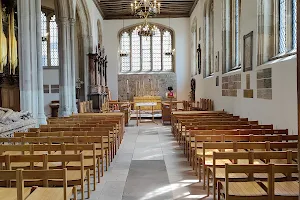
64	108
40	74
24	54
27	43
73	78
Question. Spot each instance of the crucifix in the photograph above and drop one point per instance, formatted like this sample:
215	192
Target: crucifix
199	58
105	70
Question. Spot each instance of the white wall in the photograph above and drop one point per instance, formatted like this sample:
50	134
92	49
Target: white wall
94	16
50	78
181	29
282	109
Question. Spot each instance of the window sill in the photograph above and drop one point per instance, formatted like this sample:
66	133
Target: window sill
51	67
209	76
280	58
234	70
150	72
284	55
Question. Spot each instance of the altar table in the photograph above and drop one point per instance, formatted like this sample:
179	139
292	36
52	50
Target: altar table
139	105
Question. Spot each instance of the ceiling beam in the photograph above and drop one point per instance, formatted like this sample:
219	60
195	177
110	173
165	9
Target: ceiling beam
121	9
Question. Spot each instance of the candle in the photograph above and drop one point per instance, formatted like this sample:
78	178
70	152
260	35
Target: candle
127	86
139	88
136	88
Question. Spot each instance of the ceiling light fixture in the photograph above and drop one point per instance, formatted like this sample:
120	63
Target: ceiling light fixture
145	8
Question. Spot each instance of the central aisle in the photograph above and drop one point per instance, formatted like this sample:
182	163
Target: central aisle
149	166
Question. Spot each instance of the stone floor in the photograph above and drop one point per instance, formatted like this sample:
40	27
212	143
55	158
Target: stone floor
149	166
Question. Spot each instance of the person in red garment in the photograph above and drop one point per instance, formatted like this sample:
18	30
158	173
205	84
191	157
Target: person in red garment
170	93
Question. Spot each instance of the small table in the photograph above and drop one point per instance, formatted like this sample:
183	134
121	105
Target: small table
139	117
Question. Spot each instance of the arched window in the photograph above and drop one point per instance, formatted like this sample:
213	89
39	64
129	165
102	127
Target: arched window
277	28
231	35
146	53
209	38
49	30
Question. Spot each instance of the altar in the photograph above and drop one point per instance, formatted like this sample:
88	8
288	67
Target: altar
143	109
144	104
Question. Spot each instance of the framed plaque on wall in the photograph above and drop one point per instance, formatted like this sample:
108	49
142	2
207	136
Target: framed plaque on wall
248	52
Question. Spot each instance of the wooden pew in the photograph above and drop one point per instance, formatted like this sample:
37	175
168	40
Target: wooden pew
76	176
232	136
101	140
40	193
109	139
218	171
205	158
251	189
68	149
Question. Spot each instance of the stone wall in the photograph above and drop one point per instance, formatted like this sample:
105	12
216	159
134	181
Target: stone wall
264	84
159	80
230	85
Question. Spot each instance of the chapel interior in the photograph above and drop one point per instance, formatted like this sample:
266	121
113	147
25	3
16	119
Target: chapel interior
149	100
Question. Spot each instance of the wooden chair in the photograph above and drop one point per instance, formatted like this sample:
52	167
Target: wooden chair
45	192
249	189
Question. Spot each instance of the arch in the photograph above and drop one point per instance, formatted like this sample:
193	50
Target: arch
160	26
99	31
84	44
139	46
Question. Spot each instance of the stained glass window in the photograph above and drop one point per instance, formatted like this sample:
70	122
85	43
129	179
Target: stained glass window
294	24
53	42
167	47
282	26
146	53
125	48
136	51
156	50
44	40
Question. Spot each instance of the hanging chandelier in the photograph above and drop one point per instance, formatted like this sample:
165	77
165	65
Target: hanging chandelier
145	8
146	29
